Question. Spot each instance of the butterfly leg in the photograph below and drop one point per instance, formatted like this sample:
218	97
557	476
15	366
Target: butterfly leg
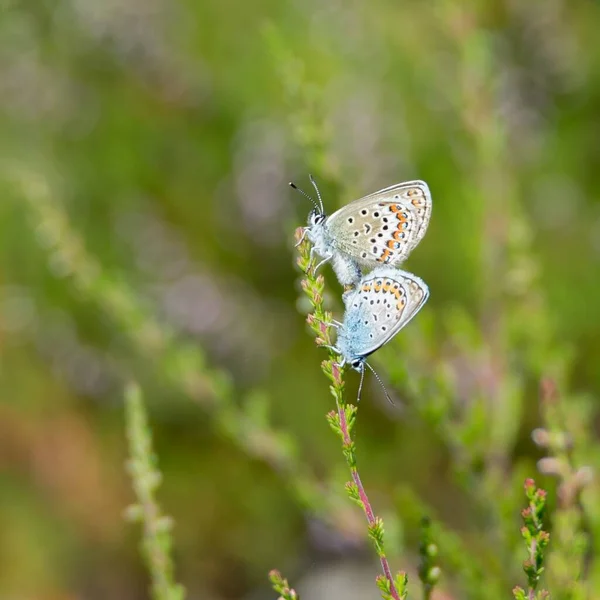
332	323
301	238
321	263
336	350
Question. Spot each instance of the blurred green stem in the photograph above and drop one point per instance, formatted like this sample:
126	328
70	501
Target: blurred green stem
157	540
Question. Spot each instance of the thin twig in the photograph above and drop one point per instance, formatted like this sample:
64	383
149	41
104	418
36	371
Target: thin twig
343	420
368	509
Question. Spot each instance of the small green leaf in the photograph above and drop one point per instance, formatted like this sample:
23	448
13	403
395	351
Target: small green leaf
519	593
353	493
376	534
401	582
384	586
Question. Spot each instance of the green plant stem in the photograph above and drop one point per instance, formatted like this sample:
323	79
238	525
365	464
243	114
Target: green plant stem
157	541
364	499
343	419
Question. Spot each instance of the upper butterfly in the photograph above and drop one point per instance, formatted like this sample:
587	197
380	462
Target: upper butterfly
380	229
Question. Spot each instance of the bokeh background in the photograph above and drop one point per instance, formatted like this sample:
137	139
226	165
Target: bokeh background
146	233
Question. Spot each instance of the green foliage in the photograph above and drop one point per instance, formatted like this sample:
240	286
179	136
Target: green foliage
429	572
572	520
281	586
478	425
536	541
157	540
400	583
146	235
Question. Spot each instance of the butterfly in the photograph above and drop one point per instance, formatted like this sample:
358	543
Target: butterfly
384	301
382	228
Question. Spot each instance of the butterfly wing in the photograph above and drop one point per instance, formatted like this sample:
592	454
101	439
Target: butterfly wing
383	227
383	303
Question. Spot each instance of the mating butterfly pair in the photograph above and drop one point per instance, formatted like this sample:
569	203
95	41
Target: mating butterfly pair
378	231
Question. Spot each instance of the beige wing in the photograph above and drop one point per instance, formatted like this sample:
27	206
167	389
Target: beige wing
383	227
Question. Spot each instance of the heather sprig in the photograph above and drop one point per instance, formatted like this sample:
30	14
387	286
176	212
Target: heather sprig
564	438
536	540
156	541
282	587
343	419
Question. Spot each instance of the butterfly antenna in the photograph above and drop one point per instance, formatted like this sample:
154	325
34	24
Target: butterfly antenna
318	208
360	385
314	183
380	383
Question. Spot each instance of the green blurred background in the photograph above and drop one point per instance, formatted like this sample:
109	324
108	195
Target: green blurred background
146	230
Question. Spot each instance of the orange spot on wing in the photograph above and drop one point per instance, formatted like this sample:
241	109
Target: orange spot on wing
387	285
395	208
400	305
385	256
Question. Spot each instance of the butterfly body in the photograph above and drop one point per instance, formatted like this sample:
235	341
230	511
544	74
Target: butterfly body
381	305
380	229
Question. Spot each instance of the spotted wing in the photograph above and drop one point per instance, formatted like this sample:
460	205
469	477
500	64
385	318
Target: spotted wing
383	227
384	302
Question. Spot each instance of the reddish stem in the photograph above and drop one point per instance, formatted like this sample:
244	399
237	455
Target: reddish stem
365	499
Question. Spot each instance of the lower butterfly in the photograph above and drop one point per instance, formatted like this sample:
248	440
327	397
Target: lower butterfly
382	304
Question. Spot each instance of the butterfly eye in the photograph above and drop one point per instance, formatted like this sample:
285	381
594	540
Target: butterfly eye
316	218
356	364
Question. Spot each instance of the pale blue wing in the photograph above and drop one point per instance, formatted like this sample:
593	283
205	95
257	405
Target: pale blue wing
382	304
